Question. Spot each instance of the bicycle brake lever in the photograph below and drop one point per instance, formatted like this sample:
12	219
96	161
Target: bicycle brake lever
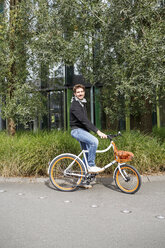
111	136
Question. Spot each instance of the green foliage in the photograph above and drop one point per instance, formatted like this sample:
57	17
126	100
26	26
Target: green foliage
117	43
55	31
26	104
159	132
133	56
28	154
19	96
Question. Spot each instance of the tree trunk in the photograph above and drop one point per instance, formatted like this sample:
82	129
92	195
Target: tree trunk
146	119
11	127
157	107
127	117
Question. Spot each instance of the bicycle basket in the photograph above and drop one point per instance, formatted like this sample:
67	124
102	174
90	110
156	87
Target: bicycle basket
122	156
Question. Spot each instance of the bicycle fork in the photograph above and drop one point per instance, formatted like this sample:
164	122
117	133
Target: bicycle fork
125	177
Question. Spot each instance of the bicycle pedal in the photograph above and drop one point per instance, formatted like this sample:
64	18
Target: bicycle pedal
86	182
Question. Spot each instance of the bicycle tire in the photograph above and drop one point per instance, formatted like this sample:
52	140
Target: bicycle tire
57	174
133	179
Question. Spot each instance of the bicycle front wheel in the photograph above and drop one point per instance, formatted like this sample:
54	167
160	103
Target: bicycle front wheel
128	180
66	172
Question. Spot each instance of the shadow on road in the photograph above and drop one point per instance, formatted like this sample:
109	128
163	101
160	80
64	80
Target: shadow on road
49	185
108	182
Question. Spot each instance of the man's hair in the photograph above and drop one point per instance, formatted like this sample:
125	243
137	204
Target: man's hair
78	86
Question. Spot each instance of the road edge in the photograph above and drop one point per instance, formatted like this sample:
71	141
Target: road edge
145	179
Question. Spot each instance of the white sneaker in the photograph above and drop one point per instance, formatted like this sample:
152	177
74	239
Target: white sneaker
95	169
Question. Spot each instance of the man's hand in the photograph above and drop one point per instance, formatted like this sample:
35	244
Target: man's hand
102	135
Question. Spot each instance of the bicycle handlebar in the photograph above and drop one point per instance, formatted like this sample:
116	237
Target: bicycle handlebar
111	136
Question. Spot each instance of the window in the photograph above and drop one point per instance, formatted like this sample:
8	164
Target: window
56	109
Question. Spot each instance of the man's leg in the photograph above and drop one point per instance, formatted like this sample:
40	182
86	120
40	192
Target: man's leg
90	141
84	146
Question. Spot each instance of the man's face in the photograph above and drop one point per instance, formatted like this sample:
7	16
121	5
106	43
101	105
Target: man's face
80	93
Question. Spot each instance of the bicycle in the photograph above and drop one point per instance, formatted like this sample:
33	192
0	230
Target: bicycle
67	171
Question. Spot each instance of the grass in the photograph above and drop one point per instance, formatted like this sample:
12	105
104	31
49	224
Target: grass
28	154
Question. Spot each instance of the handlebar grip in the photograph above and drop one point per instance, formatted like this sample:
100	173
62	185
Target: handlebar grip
111	136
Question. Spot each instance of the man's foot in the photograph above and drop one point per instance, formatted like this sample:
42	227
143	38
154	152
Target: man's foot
95	169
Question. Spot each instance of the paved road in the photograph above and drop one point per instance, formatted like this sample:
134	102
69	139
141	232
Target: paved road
33	215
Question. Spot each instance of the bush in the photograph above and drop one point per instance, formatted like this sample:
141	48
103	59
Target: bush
159	132
149	152
28	154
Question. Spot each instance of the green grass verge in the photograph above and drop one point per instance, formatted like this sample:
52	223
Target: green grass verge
28	154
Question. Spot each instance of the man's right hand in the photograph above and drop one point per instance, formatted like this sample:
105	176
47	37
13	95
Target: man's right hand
102	135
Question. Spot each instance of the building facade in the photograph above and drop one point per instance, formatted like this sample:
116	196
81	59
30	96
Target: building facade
59	92
58	89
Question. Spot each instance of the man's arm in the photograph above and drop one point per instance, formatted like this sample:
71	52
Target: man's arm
79	113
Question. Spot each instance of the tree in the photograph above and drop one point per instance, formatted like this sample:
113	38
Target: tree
132	57
34	35
21	100
116	43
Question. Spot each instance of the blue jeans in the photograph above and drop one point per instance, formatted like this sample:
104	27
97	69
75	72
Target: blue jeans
87	142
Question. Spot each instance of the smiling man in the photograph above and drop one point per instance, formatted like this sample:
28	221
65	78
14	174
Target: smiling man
81	126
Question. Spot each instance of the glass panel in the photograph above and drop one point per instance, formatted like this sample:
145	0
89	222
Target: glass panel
57	109
87	96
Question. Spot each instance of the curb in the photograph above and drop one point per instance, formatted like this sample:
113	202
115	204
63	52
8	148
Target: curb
153	178
145	179
23	179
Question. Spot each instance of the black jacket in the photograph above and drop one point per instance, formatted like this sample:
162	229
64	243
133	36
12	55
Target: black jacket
78	117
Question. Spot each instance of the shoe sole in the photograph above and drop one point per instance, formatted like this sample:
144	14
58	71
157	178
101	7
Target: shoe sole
85	186
92	172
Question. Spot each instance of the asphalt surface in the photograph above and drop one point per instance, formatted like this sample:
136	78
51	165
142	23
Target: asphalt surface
33	215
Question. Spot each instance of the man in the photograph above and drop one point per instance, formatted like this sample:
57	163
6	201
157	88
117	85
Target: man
80	127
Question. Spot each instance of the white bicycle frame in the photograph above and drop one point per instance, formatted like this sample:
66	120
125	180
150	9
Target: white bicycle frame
87	166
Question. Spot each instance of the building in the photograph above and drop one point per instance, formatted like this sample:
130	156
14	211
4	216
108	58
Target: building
57	87
59	93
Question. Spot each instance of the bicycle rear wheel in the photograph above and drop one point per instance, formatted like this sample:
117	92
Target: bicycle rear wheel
130	181
63	179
